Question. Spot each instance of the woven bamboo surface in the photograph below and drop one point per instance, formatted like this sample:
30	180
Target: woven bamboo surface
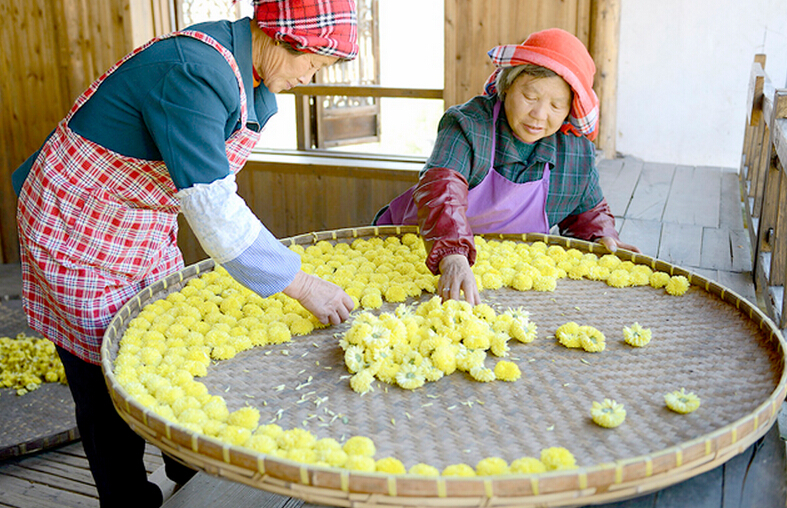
40	419
710	341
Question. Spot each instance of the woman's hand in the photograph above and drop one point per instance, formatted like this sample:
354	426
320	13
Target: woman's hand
456	276
612	244
327	301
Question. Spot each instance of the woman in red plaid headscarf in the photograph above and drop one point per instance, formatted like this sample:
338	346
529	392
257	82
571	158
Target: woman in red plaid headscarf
518	159
162	132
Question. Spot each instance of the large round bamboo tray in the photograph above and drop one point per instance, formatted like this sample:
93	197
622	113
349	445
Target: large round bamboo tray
41	419
709	340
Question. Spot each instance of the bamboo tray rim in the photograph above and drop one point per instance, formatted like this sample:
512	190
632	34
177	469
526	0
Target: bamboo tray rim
616	480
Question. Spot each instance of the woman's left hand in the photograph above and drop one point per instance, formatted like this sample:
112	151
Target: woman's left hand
612	244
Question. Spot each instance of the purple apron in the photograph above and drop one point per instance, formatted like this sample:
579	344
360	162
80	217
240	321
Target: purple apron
496	205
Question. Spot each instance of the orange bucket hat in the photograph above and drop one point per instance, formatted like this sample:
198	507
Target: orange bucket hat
563	53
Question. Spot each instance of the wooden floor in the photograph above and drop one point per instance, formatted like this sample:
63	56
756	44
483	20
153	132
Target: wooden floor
58	478
689	216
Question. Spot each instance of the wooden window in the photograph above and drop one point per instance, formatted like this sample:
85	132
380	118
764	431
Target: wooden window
342	107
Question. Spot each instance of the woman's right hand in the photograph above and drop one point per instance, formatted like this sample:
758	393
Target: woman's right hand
327	301
455	276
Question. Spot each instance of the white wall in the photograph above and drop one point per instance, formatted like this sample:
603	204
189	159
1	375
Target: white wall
684	71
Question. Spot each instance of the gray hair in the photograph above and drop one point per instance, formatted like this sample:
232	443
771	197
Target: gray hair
508	75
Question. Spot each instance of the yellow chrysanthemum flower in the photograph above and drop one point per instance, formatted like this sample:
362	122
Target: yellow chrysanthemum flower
491	280
360	445
484	312
261	443
498	345
491	466
636	336
591	339
557	457
372	301
271	430
354	359
410	377
677	285
459	470
568	335
659	279
396	293
619	278
544	283
482	374
507	371
295	438
390	465
278	333
682	402
234	435
528	465
578	271
609	261
246	417
522	282
608	414
421	469
361	381
597	272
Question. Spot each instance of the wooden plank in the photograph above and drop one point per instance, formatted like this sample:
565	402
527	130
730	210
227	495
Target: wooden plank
650	195
644	234
731	209
618	178
54	480
741	251
694	196
604	42
753	478
204	490
716	250
754	94
681	244
778	240
740	282
366	91
26	494
724	249
43	464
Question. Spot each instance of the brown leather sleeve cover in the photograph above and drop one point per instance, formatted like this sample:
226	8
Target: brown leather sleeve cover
591	225
441	198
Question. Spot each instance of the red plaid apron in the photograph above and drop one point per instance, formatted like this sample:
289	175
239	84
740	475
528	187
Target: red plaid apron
96	227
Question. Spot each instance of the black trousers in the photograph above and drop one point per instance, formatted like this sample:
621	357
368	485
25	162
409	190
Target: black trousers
114	451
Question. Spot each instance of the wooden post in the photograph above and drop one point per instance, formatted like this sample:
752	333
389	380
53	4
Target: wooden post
604	42
775	232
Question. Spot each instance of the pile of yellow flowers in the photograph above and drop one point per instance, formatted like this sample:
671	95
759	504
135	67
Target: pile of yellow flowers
375	270
27	362
409	348
172	341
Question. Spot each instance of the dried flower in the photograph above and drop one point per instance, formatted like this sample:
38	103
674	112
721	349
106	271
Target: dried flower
608	414
636	336
507	371
682	402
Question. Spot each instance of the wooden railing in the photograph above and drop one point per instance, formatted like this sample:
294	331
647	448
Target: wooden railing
764	188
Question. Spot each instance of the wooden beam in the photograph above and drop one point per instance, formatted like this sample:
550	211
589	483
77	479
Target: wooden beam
367	91
604	42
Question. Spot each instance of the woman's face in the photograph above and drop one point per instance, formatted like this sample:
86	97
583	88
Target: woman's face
282	69
537	107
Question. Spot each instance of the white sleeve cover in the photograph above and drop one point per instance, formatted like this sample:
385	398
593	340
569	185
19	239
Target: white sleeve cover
235	238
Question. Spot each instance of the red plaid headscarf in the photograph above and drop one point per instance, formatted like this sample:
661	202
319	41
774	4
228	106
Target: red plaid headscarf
564	54
325	27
